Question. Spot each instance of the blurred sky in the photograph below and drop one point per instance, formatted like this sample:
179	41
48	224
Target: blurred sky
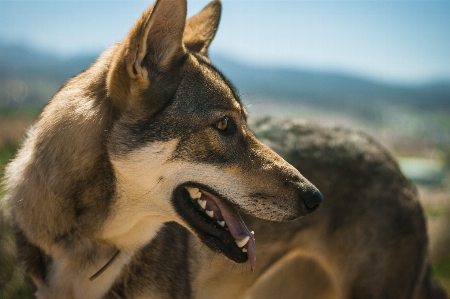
395	41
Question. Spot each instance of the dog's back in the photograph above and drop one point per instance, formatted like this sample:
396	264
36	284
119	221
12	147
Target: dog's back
373	237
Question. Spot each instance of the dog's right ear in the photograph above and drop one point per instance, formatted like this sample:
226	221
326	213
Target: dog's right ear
152	52
201	28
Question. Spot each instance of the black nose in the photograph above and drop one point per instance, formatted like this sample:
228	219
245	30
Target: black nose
313	199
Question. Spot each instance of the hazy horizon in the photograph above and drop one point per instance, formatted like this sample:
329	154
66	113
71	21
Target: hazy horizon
395	42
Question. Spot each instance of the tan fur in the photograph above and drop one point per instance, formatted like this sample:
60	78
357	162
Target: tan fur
286	275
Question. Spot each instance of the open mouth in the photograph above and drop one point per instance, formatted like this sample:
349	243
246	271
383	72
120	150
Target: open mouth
216	222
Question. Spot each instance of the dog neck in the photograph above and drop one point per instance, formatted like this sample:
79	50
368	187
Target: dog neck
133	220
106	266
70	273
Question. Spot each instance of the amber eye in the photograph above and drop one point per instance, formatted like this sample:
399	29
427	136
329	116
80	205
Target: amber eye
222	124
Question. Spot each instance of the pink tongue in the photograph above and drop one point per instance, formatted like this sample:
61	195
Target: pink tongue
236	226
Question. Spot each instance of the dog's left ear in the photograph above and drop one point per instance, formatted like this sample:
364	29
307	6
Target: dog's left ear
145	69
201	28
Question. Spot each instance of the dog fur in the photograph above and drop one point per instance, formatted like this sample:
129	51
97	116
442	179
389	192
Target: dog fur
104	175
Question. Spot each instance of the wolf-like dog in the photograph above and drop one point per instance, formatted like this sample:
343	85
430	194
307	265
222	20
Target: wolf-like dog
141	179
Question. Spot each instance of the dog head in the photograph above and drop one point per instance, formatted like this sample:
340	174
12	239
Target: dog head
180	146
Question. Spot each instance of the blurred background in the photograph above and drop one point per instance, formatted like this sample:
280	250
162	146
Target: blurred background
382	67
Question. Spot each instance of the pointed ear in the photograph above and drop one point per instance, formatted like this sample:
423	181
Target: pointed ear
162	42
153	47
201	28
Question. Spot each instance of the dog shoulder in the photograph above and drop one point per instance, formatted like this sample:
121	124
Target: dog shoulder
333	148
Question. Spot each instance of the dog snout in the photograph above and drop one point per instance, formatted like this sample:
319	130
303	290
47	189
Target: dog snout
312	199
310	196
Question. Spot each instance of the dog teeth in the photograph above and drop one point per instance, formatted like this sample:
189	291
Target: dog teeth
209	213
194	192
241	243
221	223
202	203
244	249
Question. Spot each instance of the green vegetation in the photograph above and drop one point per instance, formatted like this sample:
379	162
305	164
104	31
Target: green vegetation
6	154
435	212
13	282
27	112
441	269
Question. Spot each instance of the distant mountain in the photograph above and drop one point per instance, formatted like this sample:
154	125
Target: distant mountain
30	77
22	61
332	90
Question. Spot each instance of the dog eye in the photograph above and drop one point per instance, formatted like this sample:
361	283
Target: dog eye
222	124
226	126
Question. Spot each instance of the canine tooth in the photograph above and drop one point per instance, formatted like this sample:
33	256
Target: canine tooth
210	213
194	192
202	203
241	243
244	249
221	223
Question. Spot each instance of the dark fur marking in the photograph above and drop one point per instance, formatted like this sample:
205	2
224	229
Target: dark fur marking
33	259
260	196
168	256
210	66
